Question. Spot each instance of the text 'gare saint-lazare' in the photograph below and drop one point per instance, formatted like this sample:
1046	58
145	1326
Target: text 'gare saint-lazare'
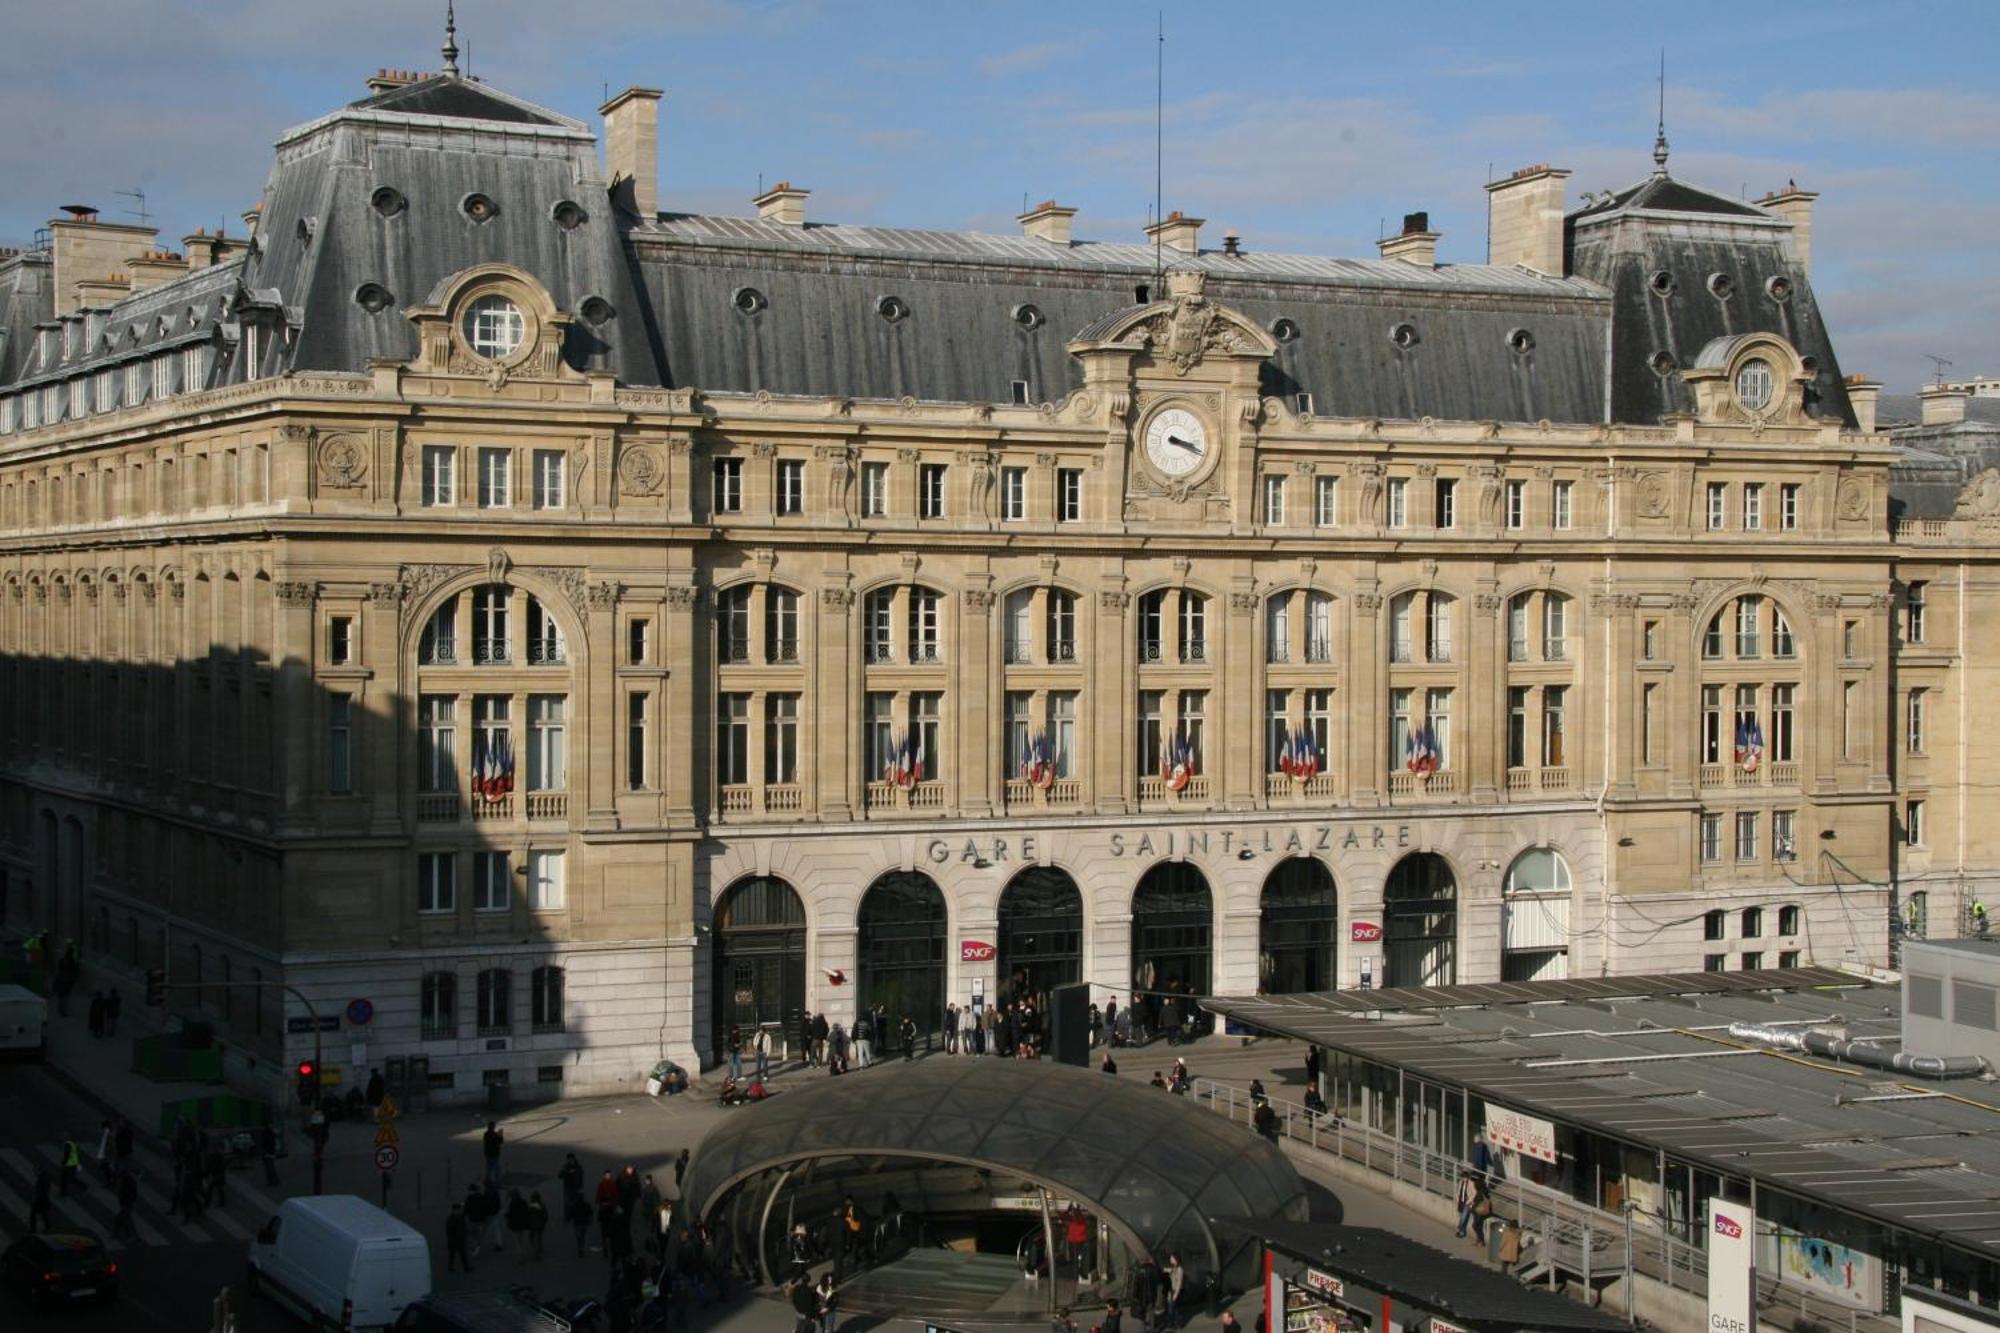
1294	841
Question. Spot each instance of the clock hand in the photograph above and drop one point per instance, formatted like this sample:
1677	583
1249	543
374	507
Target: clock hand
1185	444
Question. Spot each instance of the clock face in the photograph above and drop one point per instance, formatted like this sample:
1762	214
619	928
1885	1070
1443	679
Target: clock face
1176	442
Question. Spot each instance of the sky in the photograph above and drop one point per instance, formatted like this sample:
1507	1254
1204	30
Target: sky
1304	127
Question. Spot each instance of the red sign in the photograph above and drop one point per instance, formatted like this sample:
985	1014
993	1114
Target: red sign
974	951
1364	932
1729	1226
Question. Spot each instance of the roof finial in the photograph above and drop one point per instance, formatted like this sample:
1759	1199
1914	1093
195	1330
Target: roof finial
1660	139
450	40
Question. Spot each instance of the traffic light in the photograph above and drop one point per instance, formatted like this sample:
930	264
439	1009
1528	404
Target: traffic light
308	1082
156	987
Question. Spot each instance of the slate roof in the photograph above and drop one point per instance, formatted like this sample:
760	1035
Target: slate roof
1925	1159
27	298
1663	194
458	99
197	309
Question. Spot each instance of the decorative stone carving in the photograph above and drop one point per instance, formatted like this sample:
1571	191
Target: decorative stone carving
836	599
680	446
604	594
177	590
1880	601
1852	503
1491	487
1305	467
764	449
1045	460
1981	496
1656	495
1487	601
639	470
1370	602
1371	492
1243	603
1181	566
984	466
1430	570
978	600
566	577
1112	599
63	592
118	593
1543	472
1190	329
89	592
385	594
1427	469
1825	601
297	595
343	462
839	460
149	592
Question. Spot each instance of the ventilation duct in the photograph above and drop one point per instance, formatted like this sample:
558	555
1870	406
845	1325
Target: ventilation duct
1857	1053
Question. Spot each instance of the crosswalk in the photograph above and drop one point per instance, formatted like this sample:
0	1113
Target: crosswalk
154	1222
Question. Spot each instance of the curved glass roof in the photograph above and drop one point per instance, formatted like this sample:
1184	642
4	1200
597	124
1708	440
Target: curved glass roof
1143	1157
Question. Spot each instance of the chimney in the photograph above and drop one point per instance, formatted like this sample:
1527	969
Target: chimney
781	203
632	146
106	291
1232	244
387	80
1047	221
154	267
251	216
1943	404
201	249
1524	219
1177	232
1415	244
86	250
1862	393
1796	207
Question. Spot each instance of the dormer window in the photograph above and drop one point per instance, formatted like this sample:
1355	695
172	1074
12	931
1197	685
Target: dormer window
1754	385
494	327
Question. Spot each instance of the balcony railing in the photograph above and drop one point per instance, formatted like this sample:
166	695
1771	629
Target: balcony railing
1278	654
1194	650
1153	787
734	651
927	796
497	808
783	798
1025	795
1319	652
1776	773
918	796
1910	528
1062	650
546	652
1149	651
879	652
1555	650
491	652
1284	787
926	654
548	805
437	807
785	651
440	651
1019	654
736	800
1402	782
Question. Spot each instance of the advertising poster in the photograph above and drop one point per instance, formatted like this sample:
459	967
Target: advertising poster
1828	1269
1732	1268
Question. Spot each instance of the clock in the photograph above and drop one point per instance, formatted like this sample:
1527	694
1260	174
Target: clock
1176	443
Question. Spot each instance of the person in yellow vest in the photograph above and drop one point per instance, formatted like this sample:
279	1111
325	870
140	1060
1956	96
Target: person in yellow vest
1979	917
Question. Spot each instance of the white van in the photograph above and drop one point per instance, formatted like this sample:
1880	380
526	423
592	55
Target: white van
340	1262
24	1022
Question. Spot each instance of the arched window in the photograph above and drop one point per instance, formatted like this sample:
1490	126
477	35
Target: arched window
926	626
1278	629
1172	938
545	999
900	943
1420	922
438	1005
781	625
1020	624
878	612
760	957
438	645
495	1011
491	608
1534	919
1319	627
732	624
1420	627
1537	870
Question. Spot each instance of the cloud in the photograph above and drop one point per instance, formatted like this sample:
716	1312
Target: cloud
1023	59
1911	118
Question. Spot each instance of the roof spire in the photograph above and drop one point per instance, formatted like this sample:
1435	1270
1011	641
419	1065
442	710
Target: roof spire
1660	139
450	40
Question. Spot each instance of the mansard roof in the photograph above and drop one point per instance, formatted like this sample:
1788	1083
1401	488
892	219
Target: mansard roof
457	98
1661	193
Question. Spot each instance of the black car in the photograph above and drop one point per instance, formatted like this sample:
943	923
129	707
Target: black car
479	1312
60	1267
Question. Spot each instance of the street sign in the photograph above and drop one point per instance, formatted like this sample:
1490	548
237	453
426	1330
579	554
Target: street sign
359	1012
387	1156
386	1136
304	1023
388	1110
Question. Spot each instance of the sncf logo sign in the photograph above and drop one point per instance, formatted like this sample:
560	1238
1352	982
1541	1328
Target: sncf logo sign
1728	1226
974	951
1365	932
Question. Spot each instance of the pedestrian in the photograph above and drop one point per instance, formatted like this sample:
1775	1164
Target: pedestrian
820	1031
805	1307
475	1218
1468	1198
576	1212
827	1298
267	1152
43	1201
72	1166
1176	1287
722	1262
1482	1159
907	1029
571	1175
517	1222
837	1047
490	1144
1145	1289
377	1090
649	1214
128	1195
495	1213
607	1225
454	1240
1230	1323
951	1028
761	1044
216	1167
628	1202
864	1040
680	1170
806	1035
106	1139
1110	1066
96	1019
801	1253
736	1052
1112	1318
114	1004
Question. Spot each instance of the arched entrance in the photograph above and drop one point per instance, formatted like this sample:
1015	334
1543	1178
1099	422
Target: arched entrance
1295	949
760	959
1420	923
1173	928
1041	935
901	952
1534	917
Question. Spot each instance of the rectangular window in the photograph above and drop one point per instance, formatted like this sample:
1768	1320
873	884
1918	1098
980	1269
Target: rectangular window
1555	628
1445	511
732	739
1788	919
437	743
1399	727
1399	502
1784	843
1788	958
548	480
492	882
1277	728
1711	843
1437	717
781	739
1061	627
728	486
926	626
1649	708
1517	726
1319	723
1326	502
1152	737
547	885
1850	640
1274	502
1517	629
1746	835
1752	927
1913	612
136	381
492	731
1069	495
1517	505
1749	611
1913	823
637	633
104	392
1062	731
1915	722
1559	505
1718	501
1714	962
635	742
1788	507
1753	506
781	625
340	640
1013	494
545	637
79	398
340	744
437	883
1020	706
1783	709
926	716
490	624
548	751
1714	925
874	490
877	619
791	486
440	476
880	738
493	468
1850	720
1753	960
930	490
1553	726
1191	709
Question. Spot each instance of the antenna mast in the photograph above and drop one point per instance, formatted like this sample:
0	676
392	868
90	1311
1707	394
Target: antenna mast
139	212
1660	139
1159	142
1940	363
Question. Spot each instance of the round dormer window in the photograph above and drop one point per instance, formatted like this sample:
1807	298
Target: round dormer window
1755	384
494	327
